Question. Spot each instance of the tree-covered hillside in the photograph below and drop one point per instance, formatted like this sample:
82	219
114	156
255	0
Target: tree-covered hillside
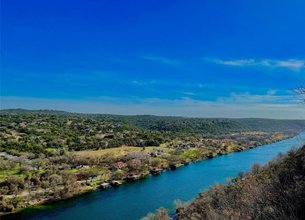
44	130
273	124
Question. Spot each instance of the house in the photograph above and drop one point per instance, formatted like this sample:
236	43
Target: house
60	141
119	165
79	176
132	177
116	183
74	166
156	153
104	186
135	162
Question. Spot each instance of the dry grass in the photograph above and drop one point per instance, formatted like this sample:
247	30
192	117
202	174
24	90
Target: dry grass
118	151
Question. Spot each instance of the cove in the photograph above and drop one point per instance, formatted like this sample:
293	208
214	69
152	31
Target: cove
133	201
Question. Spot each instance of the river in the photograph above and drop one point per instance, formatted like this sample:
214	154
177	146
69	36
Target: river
133	201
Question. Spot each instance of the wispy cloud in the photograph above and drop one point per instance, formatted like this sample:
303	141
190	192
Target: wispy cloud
292	64
163	60
144	82
270	97
247	62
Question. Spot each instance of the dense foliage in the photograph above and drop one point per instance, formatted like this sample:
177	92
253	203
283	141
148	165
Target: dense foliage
276	191
42	131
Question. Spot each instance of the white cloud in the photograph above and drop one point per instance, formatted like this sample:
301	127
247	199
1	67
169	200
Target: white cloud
163	60
292	64
245	62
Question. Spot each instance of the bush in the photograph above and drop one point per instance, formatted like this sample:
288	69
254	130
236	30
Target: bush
276	191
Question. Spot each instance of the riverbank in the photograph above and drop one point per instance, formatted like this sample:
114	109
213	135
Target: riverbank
90	183
183	184
273	191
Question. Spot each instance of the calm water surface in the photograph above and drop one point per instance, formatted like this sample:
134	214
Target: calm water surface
133	201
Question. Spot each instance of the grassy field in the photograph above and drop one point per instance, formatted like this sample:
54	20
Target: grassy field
5	173
118	151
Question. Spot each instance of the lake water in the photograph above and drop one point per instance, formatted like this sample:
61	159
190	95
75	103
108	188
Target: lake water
133	201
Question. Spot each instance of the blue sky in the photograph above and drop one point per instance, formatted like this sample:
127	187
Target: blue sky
208	58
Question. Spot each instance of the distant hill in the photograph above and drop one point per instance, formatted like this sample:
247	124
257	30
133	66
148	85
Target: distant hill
183	124
40	131
180	124
273	124
40	111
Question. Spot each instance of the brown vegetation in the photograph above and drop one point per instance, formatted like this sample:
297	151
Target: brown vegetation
276	191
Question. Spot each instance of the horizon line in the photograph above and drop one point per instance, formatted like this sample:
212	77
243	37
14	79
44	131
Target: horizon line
154	115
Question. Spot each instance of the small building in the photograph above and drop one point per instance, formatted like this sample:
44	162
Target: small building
156	153
104	186
135	162
119	165
79	176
